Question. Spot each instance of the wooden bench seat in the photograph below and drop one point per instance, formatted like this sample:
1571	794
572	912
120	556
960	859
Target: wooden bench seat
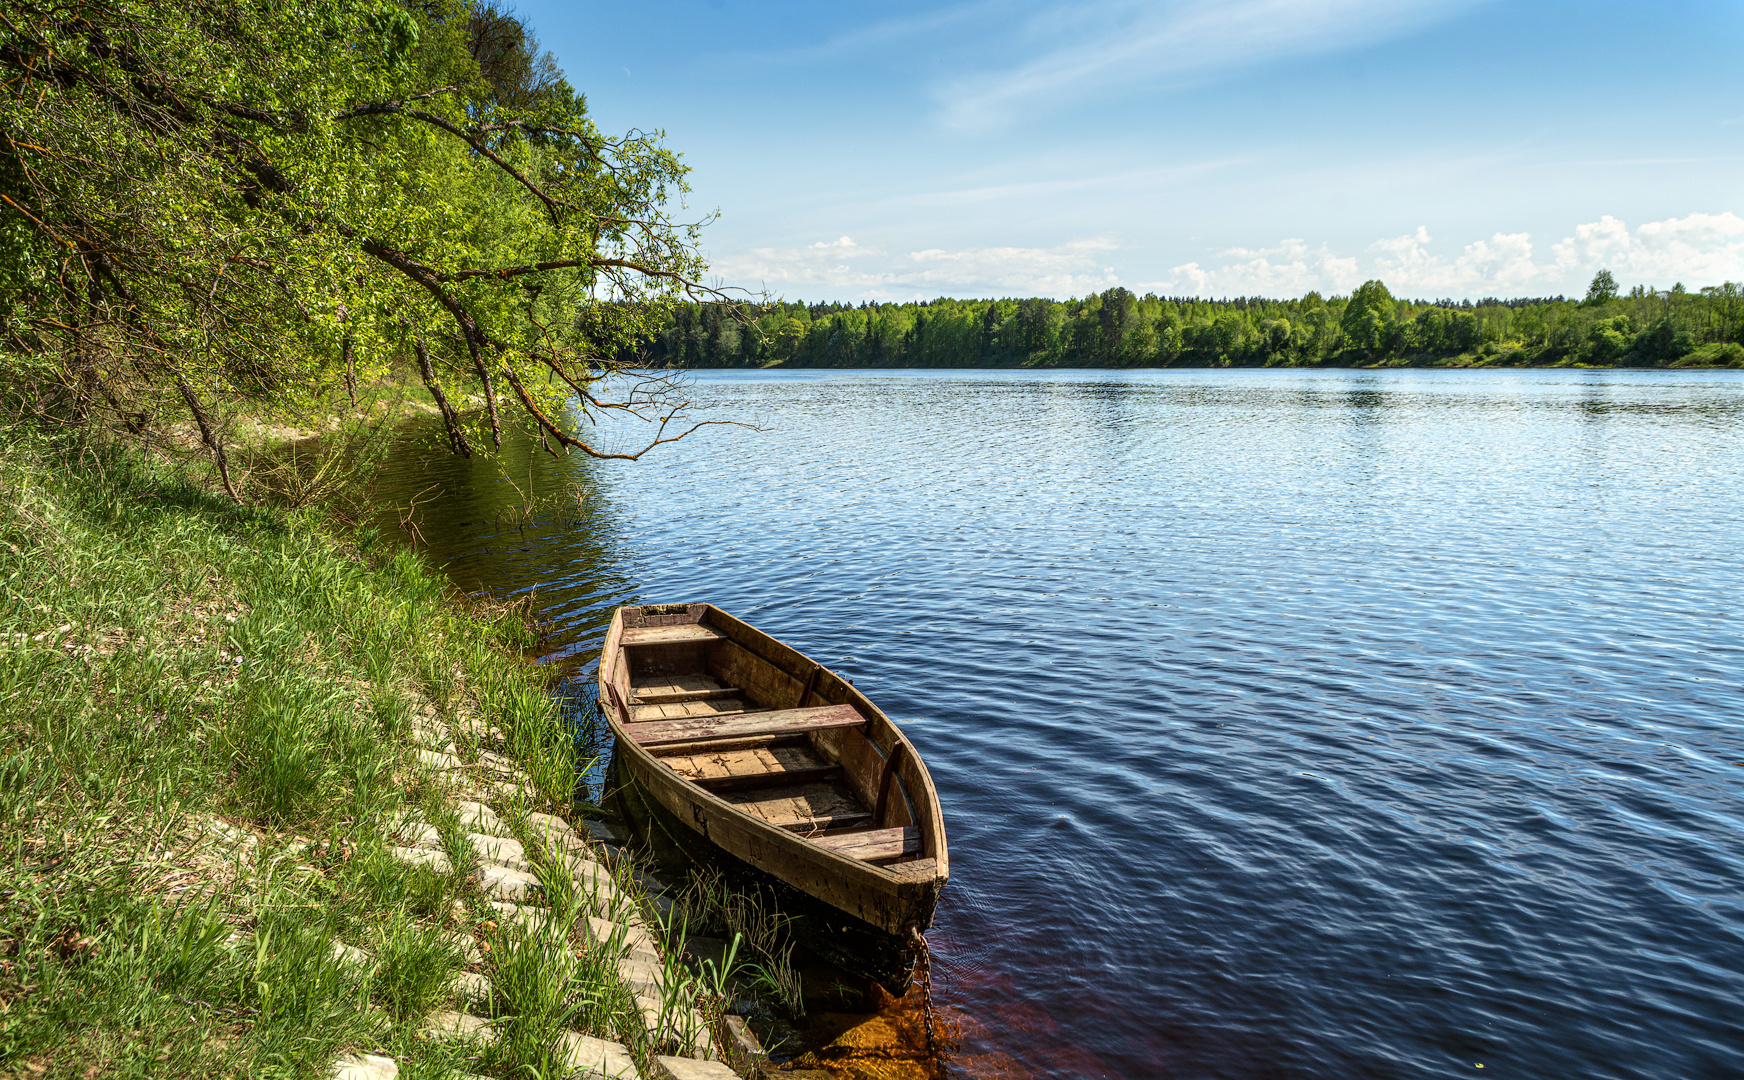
872	845
670	635
702	709
745	725
671	696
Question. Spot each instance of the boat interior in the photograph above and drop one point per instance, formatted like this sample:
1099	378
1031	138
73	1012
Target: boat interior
795	751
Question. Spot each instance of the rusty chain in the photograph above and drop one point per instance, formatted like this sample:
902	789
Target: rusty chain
924	962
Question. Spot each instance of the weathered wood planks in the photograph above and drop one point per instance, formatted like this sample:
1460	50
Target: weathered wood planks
873	845
779	722
651	696
684	710
670	635
801	808
777	778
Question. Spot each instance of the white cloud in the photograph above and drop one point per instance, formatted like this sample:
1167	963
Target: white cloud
1116	44
1701	249
843	267
1289	269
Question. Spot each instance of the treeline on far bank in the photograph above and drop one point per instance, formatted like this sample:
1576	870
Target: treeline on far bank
1642	328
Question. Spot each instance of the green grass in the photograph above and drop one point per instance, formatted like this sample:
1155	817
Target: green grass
205	722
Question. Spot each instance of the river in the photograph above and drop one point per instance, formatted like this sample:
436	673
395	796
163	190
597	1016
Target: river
1306	723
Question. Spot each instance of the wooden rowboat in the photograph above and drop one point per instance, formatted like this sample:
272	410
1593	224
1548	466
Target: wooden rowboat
778	762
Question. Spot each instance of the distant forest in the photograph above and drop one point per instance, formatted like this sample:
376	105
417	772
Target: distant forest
1606	328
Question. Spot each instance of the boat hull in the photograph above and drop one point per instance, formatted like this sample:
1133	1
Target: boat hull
739	694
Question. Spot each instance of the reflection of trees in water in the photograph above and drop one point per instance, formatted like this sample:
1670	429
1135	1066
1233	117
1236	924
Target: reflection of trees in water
521	522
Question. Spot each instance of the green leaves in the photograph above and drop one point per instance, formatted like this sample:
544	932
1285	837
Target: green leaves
209	201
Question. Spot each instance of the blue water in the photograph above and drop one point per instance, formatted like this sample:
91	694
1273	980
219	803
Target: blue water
1286	723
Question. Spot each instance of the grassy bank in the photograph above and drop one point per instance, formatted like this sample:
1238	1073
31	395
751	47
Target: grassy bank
209	715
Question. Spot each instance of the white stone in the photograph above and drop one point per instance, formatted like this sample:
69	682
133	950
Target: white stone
477	817
464	944
450	1025
532	920
506	884
502	851
432	735
681	1068
416	834
681	1024
471	988
501	765
478	729
435	860
596	883
364	1067
642	977
604	831
596	1059
633	941
350	954
743	1037
553	831
522	793
439	761
651	1007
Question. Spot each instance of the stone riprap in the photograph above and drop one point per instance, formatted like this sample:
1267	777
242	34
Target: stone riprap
507	873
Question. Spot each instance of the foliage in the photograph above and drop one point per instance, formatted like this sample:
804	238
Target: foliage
204	202
1602	289
1117	329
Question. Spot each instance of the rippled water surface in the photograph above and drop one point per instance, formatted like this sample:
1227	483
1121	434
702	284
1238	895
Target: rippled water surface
1287	723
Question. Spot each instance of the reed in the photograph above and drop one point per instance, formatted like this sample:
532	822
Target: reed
751	920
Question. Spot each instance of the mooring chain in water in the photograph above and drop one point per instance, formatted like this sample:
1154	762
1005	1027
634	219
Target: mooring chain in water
924	954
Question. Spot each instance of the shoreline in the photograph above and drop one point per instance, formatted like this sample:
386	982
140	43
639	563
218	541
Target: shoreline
1209	367
278	798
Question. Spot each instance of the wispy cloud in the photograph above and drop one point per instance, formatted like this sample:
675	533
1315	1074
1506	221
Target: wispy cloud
886	33
1700	249
1110	45
843	268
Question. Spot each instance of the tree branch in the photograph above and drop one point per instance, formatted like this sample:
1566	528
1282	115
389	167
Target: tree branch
473	334
395	108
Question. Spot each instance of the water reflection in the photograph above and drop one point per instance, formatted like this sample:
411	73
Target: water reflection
523	522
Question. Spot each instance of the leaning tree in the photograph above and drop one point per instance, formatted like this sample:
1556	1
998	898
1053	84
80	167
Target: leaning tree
206	201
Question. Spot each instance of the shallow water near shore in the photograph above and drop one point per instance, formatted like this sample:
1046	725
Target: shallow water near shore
1286	722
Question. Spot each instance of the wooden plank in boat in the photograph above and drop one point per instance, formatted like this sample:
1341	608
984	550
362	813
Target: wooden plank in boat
915	870
873	845
684	710
664	697
743	761
778	778
779	722
669	635
678	688
802	808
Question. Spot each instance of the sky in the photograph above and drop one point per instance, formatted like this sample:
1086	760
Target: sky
1451	148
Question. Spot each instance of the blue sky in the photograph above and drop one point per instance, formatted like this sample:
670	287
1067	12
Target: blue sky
904	150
